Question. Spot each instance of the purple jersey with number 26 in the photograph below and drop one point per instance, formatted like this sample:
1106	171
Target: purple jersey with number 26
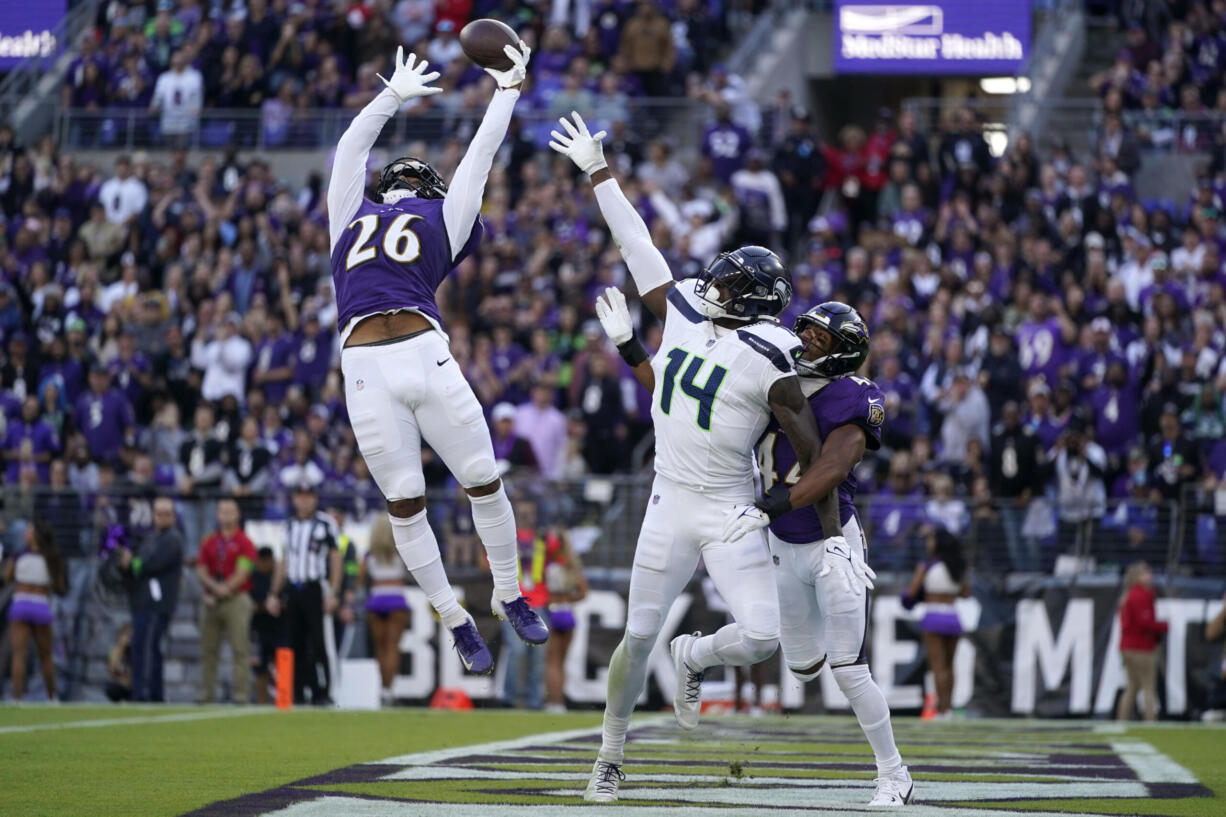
394	256
846	400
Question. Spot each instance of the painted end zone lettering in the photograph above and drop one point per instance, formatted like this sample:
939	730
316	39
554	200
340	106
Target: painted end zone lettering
795	766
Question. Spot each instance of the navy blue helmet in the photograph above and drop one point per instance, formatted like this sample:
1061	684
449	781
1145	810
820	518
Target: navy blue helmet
414	175
851	341
754	281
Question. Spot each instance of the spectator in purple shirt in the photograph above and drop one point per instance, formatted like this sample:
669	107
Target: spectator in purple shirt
132	371
1117	416
274	361
1043	338
29	442
104	416
1092	363
726	144
68	370
510	449
896	512
314	353
1040	417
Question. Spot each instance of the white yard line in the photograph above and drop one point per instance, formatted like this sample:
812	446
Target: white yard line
440	755
178	717
354	807
1151	765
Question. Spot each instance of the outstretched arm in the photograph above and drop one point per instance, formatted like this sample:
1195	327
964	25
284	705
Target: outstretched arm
791	409
646	264
462	203
348	183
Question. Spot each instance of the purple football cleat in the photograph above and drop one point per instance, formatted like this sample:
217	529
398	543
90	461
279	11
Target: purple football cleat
524	620
471	647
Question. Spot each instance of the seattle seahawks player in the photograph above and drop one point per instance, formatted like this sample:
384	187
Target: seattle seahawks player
822	580
401	382
725	365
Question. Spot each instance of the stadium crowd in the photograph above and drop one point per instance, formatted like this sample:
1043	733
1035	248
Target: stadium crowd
1051	348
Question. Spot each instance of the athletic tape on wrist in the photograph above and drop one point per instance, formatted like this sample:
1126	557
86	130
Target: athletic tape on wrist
632	351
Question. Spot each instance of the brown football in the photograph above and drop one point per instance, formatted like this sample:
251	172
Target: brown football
483	41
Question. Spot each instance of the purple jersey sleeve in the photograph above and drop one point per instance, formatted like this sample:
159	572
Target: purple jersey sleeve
845	401
851	401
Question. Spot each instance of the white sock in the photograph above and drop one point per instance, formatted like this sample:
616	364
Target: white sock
873	713
627	677
418	548
495	524
729	646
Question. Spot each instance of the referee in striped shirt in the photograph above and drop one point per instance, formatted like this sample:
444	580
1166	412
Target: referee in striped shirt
310	574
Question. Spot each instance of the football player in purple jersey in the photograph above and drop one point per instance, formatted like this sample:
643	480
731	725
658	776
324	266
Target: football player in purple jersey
402	384
822	578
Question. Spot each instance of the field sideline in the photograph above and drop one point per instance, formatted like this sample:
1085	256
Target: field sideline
134	761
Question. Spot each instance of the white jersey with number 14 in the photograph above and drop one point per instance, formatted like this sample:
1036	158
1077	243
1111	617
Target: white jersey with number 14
710	402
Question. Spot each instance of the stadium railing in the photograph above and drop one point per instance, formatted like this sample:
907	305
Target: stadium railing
1173	131
1060	120
25	87
321	128
603	514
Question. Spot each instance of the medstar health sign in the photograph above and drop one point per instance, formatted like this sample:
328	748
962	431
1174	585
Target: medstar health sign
26	29
953	37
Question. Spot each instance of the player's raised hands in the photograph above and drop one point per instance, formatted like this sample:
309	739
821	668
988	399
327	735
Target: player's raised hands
614	315
515	75
580	145
409	79
848	563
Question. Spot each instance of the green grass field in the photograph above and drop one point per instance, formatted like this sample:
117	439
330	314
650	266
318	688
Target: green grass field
136	761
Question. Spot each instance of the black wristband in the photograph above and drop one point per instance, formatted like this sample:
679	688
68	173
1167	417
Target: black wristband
776	502
632	352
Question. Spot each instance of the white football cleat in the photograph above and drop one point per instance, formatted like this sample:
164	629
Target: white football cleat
687	699
895	790
602	787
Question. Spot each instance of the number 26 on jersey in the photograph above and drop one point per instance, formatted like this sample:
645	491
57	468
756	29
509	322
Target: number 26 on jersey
399	243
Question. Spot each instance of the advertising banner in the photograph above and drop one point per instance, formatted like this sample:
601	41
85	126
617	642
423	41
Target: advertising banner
26	30
949	37
1051	652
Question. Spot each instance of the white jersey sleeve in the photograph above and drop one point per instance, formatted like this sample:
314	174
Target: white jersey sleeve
347	187
710	402
462	203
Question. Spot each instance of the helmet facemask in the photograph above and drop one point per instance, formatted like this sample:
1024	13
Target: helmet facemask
409	178
745	298
843	356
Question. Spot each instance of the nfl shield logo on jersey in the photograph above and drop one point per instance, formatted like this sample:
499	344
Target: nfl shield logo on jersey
655	500
360	384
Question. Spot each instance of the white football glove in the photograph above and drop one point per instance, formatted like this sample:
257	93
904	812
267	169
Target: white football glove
744	519
410	79
848	563
614	316
518	72
582	147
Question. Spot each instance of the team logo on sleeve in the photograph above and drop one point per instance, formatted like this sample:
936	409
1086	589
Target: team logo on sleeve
876	413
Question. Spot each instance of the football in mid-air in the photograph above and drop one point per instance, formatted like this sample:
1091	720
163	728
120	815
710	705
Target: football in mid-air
483	41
